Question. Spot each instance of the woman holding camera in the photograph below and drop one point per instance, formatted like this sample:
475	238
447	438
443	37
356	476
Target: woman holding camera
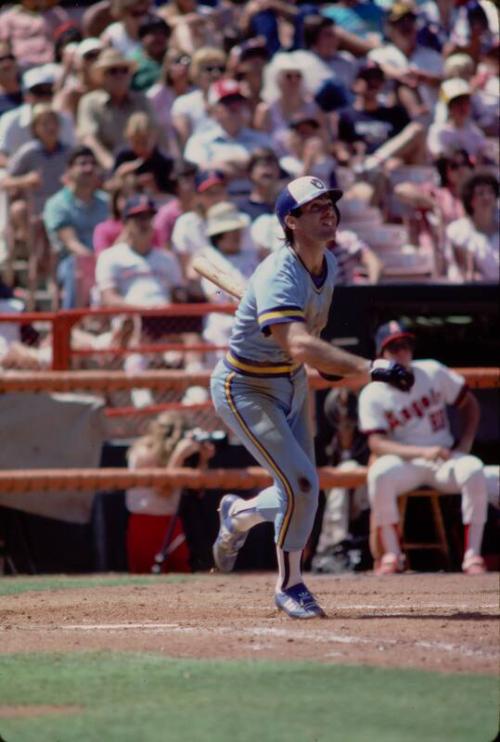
153	520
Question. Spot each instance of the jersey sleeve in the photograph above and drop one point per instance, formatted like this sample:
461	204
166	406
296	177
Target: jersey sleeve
279	299
371	414
451	385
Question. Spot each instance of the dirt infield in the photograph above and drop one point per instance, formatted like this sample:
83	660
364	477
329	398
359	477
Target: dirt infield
442	622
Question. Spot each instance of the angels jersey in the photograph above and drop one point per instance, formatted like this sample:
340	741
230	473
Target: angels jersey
417	417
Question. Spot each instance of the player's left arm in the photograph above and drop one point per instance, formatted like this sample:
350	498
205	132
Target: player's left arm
303	347
469	419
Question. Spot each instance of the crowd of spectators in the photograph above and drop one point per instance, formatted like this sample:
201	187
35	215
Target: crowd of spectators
207	108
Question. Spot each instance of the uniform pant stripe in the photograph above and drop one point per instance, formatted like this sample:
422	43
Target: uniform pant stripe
272	464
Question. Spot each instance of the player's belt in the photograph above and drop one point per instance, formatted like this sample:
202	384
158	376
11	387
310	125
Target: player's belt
258	368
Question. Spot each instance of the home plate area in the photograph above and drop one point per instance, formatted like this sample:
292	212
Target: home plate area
441	622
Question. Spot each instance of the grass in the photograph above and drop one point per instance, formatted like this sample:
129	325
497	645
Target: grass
17	585
149	698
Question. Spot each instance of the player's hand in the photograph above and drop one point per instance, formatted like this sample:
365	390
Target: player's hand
392	373
436	453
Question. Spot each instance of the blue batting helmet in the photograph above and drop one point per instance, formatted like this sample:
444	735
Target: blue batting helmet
299	192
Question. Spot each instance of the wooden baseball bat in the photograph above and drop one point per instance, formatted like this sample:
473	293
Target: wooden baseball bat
204	267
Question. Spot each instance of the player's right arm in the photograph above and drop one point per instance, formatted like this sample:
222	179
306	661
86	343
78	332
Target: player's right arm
303	347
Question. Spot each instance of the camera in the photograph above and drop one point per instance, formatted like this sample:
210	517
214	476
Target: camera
203	436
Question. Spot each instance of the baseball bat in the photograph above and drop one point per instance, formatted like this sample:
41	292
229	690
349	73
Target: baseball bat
204	267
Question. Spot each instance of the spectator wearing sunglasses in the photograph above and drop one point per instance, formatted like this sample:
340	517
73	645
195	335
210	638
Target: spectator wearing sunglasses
190	112
123	35
103	113
11	94
16	125
154	34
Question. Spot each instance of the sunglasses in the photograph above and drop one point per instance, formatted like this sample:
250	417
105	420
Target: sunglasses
89	56
42	91
213	68
184	59
8	58
117	71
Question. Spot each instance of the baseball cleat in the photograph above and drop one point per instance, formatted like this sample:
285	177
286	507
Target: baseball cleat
229	541
391	564
298	602
473	565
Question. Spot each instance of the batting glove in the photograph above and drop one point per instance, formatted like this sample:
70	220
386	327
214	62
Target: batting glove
392	373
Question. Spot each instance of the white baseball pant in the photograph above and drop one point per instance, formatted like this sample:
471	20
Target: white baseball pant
390	476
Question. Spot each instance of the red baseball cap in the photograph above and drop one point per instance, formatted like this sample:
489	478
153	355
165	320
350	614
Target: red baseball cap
223	89
138	204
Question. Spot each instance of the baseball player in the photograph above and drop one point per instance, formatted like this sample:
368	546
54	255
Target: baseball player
260	388
409	433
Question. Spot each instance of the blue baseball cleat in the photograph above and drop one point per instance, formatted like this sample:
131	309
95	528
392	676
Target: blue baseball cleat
298	602
228	541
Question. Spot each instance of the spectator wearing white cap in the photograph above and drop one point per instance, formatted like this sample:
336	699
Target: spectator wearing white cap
458	131
15	126
82	78
228	145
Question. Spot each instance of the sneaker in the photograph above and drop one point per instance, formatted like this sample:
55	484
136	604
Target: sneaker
229	541
391	564
473	565
298	602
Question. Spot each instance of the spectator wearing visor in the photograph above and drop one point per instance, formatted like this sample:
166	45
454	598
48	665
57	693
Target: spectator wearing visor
229	143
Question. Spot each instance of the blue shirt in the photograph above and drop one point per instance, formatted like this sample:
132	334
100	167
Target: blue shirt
63	209
280	290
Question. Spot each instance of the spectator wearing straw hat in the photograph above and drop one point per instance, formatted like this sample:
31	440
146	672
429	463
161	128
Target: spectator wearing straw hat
103	113
458	131
227	250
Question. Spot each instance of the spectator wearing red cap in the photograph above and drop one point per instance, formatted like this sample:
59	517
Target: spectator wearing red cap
230	142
